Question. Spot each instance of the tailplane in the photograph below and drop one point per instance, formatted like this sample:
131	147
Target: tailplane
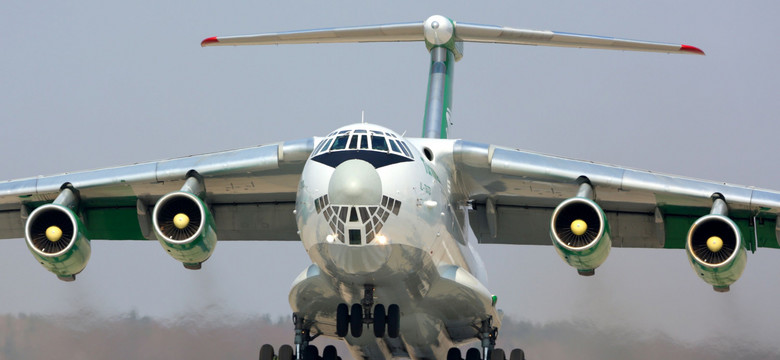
444	39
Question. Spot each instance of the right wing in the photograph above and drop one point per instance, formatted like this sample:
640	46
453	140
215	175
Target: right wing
250	191
514	193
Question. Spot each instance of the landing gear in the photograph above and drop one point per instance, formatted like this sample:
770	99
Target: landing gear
356	320
380	322
303	348
266	352
385	322
487	335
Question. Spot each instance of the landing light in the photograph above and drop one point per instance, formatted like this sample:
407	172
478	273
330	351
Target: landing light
330	238
381	239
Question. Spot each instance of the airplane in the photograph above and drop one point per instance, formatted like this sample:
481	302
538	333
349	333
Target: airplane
385	218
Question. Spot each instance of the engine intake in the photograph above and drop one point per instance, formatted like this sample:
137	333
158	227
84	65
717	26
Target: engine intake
56	238
716	251
185	228
580	234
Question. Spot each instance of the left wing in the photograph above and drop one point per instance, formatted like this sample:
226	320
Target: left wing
514	194
250	191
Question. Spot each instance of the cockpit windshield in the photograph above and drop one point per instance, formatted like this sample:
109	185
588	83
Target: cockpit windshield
364	140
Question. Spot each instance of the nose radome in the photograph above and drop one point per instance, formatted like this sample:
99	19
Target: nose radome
355	182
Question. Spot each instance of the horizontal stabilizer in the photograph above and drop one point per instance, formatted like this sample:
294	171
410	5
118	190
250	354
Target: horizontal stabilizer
373	33
438	27
506	35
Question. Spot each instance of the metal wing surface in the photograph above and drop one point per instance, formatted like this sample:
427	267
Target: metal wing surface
513	195
251	192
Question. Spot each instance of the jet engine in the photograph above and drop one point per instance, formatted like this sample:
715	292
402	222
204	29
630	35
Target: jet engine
56	237
580	233
185	228
716	251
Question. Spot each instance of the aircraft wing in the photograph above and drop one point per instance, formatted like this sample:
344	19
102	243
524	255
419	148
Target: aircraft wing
250	191
513	195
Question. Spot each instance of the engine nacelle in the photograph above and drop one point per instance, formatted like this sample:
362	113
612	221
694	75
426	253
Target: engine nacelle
580	234
716	251
57	239
185	227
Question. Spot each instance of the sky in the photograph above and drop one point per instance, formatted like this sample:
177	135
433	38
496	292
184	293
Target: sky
98	84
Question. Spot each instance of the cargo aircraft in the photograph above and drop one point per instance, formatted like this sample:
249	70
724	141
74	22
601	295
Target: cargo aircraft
385	218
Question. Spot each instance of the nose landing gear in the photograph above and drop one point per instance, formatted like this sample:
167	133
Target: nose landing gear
385	321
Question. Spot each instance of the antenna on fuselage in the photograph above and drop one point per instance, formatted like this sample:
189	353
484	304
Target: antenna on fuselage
362	116
444	39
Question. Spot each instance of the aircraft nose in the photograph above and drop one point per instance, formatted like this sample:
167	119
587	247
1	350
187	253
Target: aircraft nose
355	182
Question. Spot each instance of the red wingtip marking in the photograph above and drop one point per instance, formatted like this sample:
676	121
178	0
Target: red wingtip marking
210	40
692	49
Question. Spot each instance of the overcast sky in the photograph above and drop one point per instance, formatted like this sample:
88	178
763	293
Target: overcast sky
109	83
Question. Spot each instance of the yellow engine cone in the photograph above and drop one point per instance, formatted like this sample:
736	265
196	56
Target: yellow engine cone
53	233
181	221
714	243
579	227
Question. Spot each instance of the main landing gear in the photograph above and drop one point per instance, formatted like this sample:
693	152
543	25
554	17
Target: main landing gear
384	321
303	349
487	335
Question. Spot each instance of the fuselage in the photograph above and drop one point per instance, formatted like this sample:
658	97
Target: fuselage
373	209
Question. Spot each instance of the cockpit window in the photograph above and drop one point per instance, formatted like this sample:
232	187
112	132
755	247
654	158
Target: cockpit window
405	148
340	143
353	144
363	142
319	147
394	146
378	143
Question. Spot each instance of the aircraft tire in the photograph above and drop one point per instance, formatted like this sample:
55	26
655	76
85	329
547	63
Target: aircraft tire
342	320
285	352
311	353
356	320
393	321
473	354
266	352
454	354
329	353
517	354
498	354
380	321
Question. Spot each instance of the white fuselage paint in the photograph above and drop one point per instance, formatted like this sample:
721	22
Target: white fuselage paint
424	238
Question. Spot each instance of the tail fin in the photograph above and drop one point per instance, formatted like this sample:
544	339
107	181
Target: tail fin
444	39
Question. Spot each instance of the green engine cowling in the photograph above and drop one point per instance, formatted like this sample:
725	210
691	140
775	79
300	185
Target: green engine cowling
185	228
716	251
580	234
57	239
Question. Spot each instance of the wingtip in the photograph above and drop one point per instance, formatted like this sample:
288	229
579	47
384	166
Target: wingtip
691	49
208	41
